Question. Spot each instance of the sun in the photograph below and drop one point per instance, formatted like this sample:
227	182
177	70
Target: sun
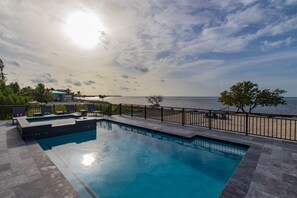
84	29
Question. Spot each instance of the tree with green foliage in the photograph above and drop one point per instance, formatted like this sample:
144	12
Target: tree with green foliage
14	87
155	100
69	92
26	91
8	97
248	95
102	97
78	93
42	94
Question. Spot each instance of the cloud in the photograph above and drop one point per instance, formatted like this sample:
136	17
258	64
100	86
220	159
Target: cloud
89	82
290	2
73	82
99	76
246	64
44	78
283	25
266	45
246	2
163	54
245	17
54	53
15	63
104	40
177	40
125	88
229	35
142	69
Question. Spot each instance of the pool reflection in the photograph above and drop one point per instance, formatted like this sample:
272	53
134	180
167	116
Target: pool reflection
49	143
88	160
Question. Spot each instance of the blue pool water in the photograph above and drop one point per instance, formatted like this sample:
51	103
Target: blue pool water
118	161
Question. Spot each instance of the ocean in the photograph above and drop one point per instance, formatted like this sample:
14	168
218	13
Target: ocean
206	103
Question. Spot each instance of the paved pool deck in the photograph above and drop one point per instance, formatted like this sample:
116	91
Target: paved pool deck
269	169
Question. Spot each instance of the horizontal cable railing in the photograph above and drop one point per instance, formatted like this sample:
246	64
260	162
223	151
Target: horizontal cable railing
260	124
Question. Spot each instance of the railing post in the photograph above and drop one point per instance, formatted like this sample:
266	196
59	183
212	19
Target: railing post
209	119
246	123
162	111
144	111
54	108
131	110
75	107
120	109
183	116
26	110
110	109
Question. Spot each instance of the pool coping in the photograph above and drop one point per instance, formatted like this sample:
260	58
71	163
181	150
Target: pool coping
269	169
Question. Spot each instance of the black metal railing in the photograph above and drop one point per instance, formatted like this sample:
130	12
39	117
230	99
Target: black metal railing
268	125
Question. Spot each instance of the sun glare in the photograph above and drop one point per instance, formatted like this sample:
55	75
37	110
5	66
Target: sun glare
88	160
84	29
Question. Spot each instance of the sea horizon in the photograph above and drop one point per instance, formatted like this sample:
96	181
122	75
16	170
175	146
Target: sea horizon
203	102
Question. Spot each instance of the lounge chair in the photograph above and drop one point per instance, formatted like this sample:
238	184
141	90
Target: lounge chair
70	109
46	110
18	112
92	109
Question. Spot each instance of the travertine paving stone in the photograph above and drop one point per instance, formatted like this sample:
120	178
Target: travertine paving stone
26	171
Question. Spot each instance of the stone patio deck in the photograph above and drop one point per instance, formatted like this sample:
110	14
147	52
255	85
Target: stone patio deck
269	168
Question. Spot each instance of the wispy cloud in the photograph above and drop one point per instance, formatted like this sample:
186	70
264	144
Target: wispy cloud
89	82
125	88
44	78
15	63
73	82
142	69
266	45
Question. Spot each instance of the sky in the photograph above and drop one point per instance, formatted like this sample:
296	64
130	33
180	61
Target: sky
152	47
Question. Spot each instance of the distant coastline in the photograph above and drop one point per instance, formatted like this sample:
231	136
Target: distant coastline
202	102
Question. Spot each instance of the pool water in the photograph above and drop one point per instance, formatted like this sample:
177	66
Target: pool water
44	119
118	161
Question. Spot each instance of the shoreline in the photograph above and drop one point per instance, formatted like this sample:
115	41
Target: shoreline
203	103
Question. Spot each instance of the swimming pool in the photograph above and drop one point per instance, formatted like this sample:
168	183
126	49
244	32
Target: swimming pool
120	160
